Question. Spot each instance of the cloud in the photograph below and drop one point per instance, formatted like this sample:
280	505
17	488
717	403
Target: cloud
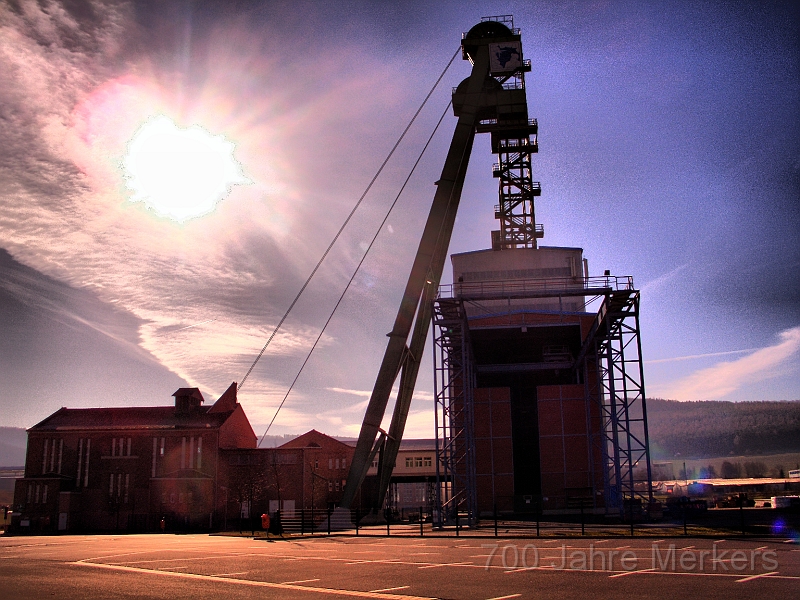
205	295
724	378
696	356
654	284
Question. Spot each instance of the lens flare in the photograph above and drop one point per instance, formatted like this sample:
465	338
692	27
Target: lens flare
180	173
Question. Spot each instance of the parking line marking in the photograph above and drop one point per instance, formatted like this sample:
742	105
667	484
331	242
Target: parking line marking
250	582
630	573
756	576
401	587
292	582
458	564
505	597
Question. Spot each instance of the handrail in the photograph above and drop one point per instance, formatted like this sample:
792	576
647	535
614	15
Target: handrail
549	286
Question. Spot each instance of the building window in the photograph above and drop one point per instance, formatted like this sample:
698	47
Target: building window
330	463
153	460
199	453
344	463
409	462
330	486
337	463
426	462
316	463
337	486
418	462
127	483
38	490
44	456
44	493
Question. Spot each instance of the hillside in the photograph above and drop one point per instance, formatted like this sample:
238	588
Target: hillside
711	429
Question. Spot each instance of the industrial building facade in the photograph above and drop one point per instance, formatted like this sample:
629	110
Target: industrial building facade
186	466
190	467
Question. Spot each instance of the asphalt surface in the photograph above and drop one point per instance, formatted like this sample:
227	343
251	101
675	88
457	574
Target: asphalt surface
200	566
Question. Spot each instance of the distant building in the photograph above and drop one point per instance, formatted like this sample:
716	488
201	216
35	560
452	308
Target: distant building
413	483
128	468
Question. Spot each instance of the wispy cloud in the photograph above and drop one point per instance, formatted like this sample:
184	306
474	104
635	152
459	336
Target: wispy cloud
696	356
205	294
724	378
660	281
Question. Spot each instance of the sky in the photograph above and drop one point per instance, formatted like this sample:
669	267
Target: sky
669	136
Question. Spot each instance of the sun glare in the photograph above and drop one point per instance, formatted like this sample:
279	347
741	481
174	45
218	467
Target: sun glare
180	173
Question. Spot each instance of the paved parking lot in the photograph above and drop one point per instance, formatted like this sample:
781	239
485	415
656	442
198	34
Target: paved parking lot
198	566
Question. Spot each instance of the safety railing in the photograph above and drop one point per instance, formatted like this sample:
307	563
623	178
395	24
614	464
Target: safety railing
552	286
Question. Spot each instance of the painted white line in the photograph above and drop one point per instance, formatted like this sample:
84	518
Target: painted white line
458	564
229	574
505	597
626	573
401	587
172	568
756	576
293	582
249	582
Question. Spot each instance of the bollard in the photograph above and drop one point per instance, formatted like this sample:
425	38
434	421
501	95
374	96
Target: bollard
329	520
356	522
387	523
421	521
458	526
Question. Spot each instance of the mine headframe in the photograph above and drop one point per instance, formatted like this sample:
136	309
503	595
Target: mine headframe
492	100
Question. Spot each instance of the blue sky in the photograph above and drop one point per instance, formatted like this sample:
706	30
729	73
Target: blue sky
669	138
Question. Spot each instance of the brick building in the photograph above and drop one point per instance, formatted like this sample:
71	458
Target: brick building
307	473
108	469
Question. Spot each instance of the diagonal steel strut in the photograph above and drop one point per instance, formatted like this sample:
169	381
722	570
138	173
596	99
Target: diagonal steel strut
400	357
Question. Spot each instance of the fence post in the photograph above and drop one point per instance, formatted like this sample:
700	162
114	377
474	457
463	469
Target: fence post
684	520
458	526
495	520
329	519
630	514
421	522
741	512
356	522
583	521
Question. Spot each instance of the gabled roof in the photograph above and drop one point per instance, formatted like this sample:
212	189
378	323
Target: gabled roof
314	439
145	417
133	417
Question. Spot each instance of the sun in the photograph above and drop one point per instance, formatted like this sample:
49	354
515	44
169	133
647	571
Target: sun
180	173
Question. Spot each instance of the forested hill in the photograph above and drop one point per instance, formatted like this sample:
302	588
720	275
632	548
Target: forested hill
712	429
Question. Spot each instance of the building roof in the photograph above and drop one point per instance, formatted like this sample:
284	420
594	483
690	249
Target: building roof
313	439
405	444
134	417
144	417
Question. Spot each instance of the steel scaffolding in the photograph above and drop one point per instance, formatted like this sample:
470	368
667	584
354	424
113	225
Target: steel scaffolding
454	380
614	347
